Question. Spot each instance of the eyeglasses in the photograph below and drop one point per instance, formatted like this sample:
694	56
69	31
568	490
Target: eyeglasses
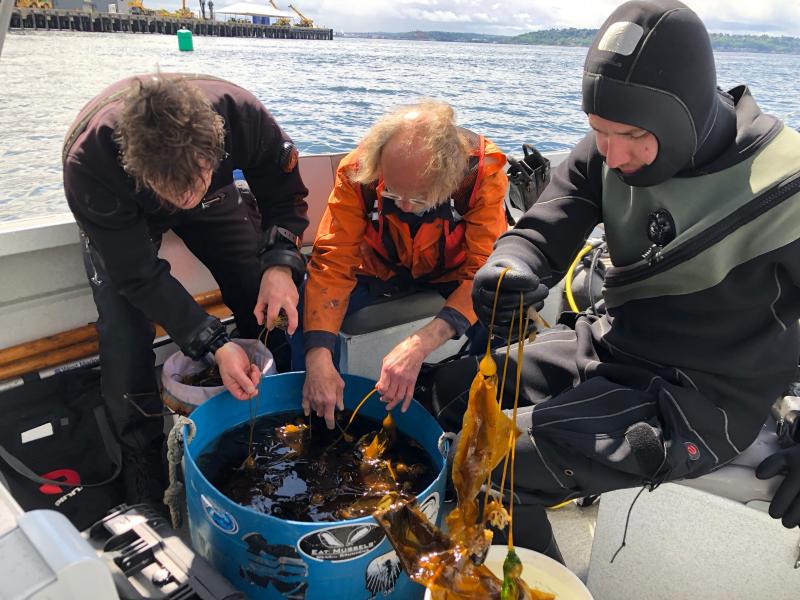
416	202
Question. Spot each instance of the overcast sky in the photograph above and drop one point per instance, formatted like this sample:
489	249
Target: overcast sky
512	17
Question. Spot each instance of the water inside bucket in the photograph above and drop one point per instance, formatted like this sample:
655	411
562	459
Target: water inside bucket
272	558
299	475
208	377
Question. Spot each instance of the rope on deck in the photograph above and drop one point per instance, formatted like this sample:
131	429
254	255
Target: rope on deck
174	494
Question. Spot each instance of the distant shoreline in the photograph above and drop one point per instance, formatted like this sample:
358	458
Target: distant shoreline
722	42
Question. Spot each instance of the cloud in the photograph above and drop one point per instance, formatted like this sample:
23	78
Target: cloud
752	17
447	16
516	16
513	16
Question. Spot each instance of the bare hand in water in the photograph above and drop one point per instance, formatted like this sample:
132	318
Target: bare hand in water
401	366
399	373
240	377
323	390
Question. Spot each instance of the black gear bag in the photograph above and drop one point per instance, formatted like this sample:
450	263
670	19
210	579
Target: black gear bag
527	178
57	450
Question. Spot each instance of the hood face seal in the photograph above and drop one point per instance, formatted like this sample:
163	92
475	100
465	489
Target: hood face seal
651	66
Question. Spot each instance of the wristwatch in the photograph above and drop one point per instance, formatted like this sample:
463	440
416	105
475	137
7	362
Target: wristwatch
276	233
218	341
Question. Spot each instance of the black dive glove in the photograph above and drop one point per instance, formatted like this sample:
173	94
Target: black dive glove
519	279
786	503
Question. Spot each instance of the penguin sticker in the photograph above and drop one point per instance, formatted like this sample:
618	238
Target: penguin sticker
382	574
278	565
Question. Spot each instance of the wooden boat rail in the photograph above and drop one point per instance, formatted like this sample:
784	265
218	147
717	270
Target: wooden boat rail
78	343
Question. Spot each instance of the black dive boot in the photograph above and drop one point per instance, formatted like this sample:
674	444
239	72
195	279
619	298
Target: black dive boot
143	476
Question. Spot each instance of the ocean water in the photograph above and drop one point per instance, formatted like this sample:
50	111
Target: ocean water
324	94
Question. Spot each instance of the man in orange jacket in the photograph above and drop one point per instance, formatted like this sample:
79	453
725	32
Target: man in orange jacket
419	203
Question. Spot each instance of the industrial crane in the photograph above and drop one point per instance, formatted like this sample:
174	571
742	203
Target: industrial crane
183	12
281	21
304	20
33	4
136	7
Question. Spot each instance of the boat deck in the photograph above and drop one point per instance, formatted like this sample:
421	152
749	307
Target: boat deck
573	527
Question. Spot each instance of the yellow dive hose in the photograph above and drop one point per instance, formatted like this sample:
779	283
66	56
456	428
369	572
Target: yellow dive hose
571	273
574	306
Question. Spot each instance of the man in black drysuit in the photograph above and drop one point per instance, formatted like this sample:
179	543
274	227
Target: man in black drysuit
695	188
157	152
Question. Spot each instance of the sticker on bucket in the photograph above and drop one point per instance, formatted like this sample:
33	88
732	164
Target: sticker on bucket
430	507
221	519
277	564
338	544
382	574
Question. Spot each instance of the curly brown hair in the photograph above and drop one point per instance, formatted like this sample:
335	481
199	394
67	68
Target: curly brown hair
167	130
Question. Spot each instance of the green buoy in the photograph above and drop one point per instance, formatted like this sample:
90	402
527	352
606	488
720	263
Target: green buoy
185	40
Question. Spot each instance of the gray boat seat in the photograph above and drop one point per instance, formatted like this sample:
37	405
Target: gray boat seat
369	334
737	480
394	310
697	538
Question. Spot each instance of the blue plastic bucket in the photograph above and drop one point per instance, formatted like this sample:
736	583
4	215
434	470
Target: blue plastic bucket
273	559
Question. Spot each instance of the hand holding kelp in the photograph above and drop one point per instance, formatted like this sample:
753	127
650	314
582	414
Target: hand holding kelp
450	565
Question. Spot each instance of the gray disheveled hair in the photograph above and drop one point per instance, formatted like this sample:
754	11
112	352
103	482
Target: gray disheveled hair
433	129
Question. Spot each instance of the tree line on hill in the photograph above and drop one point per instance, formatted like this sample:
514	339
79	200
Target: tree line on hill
583	37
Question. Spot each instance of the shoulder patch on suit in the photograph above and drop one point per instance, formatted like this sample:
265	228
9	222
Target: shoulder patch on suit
289	157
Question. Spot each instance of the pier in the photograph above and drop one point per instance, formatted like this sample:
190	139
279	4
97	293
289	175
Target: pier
76	20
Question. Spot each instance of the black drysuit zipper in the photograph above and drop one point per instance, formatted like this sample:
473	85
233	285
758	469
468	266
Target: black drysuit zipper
657	261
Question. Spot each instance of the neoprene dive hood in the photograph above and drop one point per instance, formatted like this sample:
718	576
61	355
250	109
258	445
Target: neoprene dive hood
651	66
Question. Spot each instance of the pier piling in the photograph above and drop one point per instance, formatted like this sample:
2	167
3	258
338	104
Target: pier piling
74	20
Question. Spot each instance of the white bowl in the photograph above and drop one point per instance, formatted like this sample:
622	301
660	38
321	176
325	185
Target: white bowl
540	572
